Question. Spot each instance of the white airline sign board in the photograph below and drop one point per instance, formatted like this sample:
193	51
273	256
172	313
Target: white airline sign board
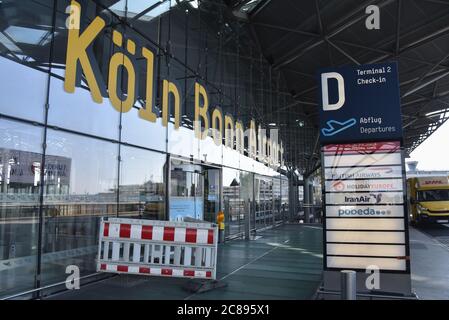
364	207
363	175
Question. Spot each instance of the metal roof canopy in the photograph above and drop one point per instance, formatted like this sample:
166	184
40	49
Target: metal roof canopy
298	37
276	47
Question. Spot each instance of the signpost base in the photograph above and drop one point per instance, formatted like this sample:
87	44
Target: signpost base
389	283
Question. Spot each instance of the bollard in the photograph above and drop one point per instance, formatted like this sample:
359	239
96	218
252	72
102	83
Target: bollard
348	285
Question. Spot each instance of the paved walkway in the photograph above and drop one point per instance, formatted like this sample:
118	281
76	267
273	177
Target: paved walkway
429	266
284	263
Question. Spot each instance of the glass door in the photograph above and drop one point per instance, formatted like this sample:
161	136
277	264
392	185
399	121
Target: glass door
211	193
186	191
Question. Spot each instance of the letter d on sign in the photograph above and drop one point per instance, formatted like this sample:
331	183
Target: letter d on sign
325	91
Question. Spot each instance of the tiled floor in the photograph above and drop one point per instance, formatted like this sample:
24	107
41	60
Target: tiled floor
429	266
284	263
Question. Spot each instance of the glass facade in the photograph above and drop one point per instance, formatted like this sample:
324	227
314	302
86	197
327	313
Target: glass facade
67	160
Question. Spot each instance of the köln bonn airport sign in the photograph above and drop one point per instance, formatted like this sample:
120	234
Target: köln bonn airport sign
366	227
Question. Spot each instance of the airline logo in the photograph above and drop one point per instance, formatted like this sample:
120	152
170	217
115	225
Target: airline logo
364	185
363	172
365	198
364	211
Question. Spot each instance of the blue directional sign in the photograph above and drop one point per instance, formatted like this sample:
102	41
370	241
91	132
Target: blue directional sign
359	103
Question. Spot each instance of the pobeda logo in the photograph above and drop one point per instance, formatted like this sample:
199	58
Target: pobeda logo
127	57
325	91
363	212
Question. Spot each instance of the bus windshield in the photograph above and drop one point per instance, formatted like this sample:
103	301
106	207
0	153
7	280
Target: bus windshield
434	195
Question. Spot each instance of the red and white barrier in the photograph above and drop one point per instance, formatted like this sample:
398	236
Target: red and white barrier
159	248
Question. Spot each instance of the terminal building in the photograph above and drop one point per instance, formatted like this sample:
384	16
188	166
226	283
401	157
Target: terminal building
181	109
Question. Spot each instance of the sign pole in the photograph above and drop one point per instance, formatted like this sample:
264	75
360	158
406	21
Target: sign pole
365	218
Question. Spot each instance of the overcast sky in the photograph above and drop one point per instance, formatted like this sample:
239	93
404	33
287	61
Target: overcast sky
433	153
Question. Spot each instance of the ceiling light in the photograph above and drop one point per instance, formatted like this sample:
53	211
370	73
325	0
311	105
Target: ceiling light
437	112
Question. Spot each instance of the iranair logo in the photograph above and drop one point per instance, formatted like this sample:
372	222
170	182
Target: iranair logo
372	198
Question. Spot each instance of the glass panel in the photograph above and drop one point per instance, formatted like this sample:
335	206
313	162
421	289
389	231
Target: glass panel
24	56
20	159
233	204
78	111
182	141
247	195
135	129
277	198
264	201
186	191
211	194
82	188
284	197
144	10
142	184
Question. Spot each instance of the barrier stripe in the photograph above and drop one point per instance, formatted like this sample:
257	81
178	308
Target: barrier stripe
176	234
167	272
180	235
157	271
147	232
158	233
144	270
125	230
106	230
114	230
191	235
136	231
133	269
177	273
210	238
201	236
189	273
169	234
174	249
122	268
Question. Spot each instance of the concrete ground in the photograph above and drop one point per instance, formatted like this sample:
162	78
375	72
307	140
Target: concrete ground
429	263
282	263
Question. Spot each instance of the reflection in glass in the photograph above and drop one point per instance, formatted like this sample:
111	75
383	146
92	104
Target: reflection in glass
82	188
264	201
186	191
20	159
144	10
233	204
284	198
211	194
77	111
277	198
142	184
25	40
